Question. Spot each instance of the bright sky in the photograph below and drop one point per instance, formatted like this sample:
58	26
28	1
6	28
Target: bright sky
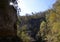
28	6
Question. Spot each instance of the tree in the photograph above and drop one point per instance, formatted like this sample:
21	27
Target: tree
54	23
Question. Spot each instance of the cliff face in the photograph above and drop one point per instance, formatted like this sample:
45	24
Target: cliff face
31	26
8	18
34	25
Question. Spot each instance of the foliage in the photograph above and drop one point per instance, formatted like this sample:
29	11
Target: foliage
49	30
23	35
42	30
53	23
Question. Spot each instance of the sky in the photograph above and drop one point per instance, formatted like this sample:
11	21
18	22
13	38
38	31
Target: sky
29	6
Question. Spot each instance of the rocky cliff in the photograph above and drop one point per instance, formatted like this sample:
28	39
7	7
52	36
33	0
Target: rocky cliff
8	18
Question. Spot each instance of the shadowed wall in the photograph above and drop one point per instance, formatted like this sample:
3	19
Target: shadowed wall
8	19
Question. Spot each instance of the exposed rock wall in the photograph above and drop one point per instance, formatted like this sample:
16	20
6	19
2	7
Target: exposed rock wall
8	18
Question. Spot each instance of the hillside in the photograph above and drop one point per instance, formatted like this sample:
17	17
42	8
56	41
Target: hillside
41	26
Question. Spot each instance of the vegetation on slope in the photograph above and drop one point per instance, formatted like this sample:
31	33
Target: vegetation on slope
45	31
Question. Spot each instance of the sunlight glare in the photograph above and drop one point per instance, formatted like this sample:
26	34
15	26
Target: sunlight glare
11	3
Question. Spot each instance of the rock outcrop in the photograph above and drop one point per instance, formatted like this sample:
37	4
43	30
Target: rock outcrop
8	18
